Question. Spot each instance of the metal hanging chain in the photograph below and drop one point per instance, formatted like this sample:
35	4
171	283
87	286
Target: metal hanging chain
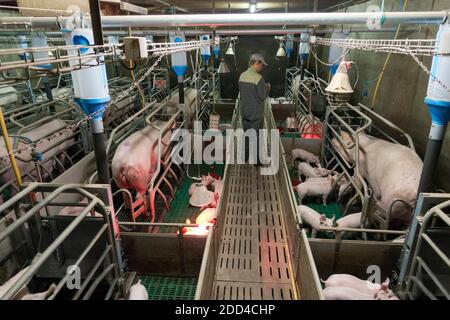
424	68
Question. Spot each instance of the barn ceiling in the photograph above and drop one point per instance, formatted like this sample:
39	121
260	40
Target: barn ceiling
239	6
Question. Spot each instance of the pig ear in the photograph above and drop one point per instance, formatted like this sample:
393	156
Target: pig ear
333	219
385	284
323	217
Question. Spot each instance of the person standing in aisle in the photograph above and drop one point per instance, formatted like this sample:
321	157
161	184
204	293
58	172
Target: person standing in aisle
253	92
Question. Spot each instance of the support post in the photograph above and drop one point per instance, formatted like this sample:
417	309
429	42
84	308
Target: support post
98	132
438	102
432	153
48	89
180	89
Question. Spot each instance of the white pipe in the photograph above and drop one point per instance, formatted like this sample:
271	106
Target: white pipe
254	19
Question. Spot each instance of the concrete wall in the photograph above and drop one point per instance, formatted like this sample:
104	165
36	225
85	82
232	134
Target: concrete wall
273	73
404	85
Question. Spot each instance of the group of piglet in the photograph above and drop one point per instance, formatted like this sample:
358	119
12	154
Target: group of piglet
348	287
319	221
319	182
204	195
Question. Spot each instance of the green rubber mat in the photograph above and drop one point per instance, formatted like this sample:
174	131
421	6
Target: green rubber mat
290	135
169	288
180	209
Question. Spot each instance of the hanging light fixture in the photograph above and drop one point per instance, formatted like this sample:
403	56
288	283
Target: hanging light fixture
281	52
252	6
223	67
230	50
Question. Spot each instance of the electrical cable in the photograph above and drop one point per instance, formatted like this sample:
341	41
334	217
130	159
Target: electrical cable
127	67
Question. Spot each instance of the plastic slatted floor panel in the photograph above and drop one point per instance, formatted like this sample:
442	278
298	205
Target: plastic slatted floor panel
253	262
169	288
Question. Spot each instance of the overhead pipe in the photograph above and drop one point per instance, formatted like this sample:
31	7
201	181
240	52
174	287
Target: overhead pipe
253	19
219	32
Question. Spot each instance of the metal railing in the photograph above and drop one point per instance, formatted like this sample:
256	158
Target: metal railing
46	162
306	278
63	243
430	268
339	158
337	153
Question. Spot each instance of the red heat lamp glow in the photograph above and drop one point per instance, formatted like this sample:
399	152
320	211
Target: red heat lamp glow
201	230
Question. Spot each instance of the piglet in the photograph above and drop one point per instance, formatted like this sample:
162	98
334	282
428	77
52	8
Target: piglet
314	219
385	295
345	293
350	281
217	186
41	295
304	156
207	216
350	221
213	203
305	169
316	187
138	292
75	211
400	239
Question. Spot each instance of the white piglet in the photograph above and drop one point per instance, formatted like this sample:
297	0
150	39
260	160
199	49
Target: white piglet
363	286
345	293
304	156
316	187
138	292
314	219
41	295
305	169
207	216
350	221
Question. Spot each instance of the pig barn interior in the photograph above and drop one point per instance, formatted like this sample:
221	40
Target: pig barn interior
109	110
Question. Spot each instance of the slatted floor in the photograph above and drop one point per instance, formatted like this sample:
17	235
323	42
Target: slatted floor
253	262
